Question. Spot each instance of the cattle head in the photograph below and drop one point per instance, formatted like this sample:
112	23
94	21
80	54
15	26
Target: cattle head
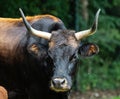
64	48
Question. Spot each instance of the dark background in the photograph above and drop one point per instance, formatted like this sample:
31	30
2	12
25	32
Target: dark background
101	72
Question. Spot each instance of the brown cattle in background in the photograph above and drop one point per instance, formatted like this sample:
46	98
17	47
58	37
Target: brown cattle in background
3	93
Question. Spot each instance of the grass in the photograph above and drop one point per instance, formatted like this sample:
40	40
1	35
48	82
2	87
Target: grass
116	97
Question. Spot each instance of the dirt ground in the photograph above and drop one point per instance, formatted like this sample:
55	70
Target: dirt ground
95	94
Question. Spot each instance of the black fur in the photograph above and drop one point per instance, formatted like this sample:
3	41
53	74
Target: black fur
28	63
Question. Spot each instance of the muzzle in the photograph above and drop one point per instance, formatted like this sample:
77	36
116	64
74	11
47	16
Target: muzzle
59	85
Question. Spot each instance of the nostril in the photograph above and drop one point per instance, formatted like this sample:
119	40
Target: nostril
53	82
63	81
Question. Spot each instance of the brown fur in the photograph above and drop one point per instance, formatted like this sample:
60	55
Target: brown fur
3	93
12	31
29	18
67	37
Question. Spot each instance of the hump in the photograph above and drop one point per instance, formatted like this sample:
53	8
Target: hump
47	23
55	19
30	18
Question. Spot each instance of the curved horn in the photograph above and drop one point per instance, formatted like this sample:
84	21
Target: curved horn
92	30
41	34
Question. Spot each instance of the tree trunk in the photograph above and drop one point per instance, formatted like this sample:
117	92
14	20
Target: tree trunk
85	9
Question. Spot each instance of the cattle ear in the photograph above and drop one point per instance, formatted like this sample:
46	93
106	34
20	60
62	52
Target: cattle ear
33	49
37	51
88	49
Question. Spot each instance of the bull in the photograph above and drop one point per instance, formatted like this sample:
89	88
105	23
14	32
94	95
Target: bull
38	56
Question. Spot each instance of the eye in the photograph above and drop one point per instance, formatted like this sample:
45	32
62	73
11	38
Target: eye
73	57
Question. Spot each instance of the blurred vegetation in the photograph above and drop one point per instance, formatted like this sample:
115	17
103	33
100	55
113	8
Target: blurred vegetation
115	98
101	71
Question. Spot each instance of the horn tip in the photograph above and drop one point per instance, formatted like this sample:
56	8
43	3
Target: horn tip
98	11
20	9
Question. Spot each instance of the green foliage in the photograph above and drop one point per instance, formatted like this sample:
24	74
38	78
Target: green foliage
103	76
116	2
101	71
10	8
115	97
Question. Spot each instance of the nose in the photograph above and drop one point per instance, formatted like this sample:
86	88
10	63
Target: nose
59	82
60	85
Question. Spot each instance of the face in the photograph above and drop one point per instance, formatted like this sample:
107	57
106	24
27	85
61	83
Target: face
63	49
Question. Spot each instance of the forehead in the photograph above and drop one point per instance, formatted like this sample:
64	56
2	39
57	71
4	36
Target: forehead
63	38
